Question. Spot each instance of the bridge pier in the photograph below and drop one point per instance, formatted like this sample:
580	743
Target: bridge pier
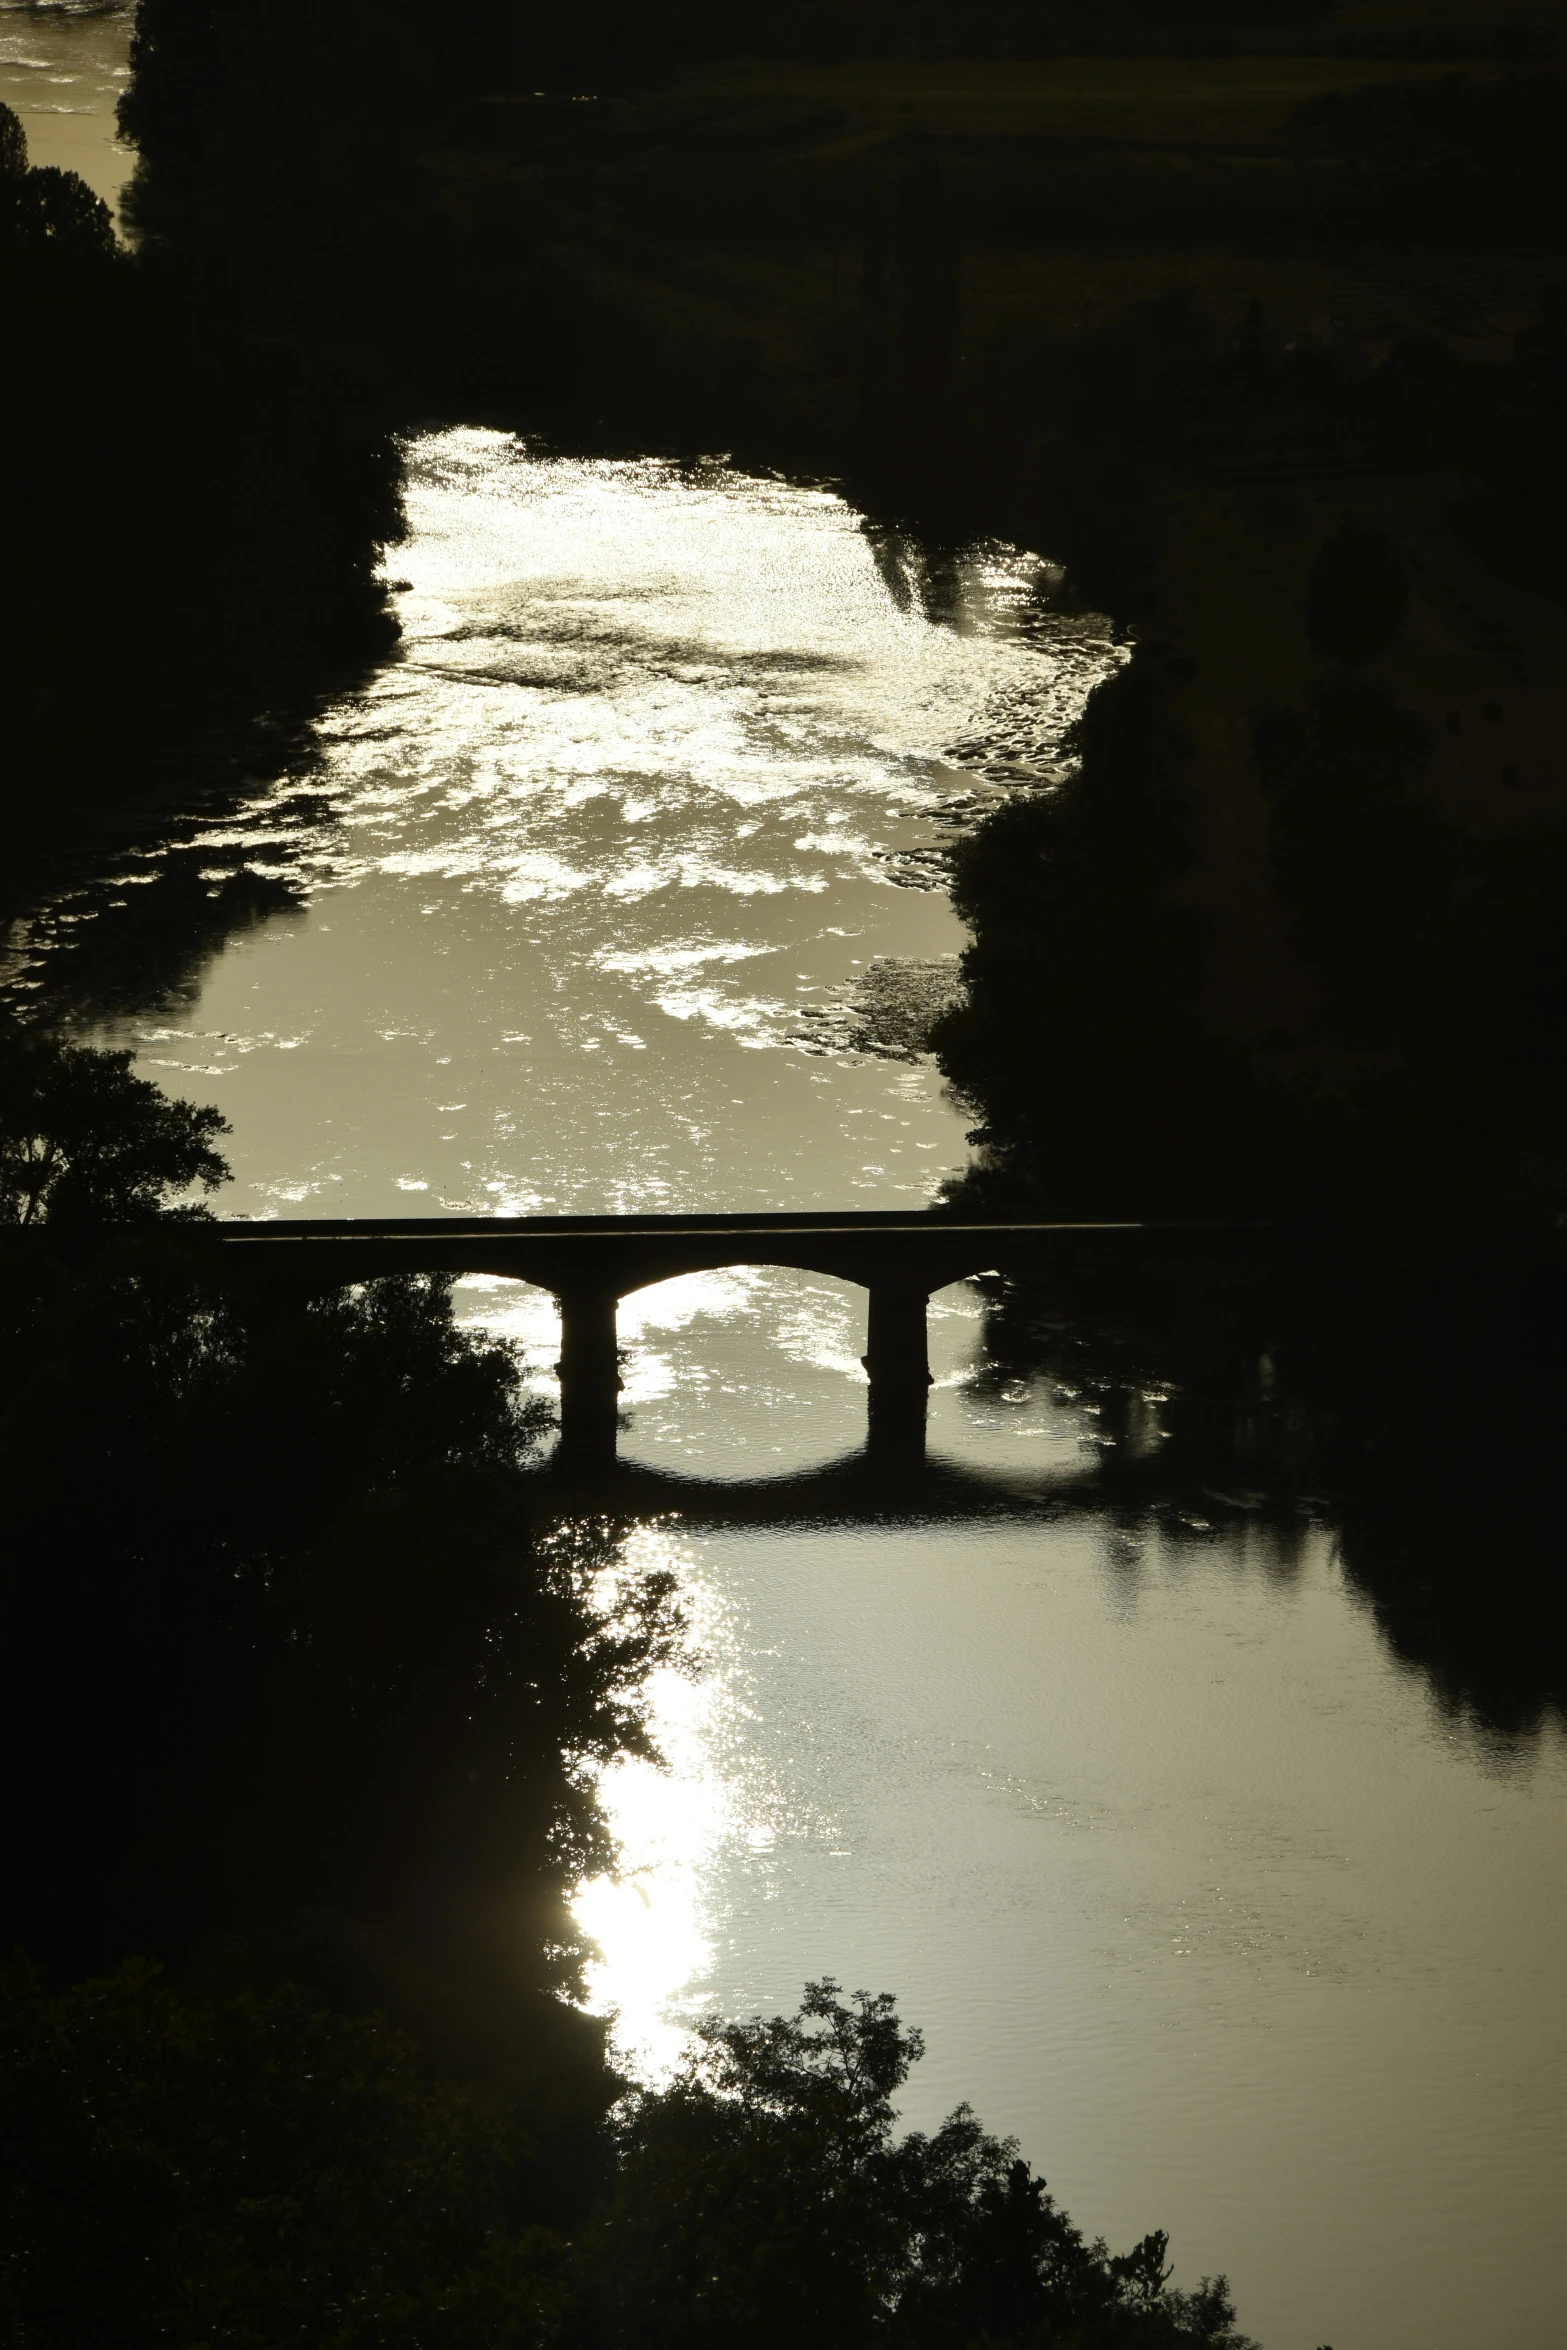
589	1377
898	1367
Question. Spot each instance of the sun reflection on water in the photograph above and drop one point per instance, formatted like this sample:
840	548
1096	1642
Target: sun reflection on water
651	1920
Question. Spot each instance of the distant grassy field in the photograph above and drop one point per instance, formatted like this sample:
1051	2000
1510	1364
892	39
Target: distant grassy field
1170	102
752	187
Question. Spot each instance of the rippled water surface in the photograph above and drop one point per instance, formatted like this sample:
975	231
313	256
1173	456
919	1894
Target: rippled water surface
62	69
585	884
618	888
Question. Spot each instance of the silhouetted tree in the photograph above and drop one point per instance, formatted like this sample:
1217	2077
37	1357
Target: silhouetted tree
178	2169
84	1144
1357	595
47	208
1079	1040
13	145
1356	858
58	208
243	491
764	2197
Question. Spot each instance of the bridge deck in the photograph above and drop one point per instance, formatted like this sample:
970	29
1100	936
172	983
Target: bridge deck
633	1238
918	1221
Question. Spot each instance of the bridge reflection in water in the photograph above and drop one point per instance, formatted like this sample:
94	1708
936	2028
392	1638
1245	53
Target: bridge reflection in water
590	1263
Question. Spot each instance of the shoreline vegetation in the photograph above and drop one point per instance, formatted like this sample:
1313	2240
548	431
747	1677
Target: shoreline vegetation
1246	313
227	495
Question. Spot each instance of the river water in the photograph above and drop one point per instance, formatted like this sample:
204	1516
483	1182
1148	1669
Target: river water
62	68
619	888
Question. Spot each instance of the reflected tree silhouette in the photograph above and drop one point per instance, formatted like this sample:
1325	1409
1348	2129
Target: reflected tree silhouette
139	939
1222	1405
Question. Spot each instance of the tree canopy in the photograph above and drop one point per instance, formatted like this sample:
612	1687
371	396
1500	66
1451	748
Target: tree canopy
764	2197
1357	597
251	2168
83	1142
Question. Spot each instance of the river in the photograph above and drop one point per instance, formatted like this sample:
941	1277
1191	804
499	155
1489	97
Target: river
619	888
571	905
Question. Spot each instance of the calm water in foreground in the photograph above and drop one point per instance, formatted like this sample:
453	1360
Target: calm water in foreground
1190	1884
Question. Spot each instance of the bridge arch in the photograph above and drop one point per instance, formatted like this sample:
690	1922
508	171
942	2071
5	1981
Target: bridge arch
865	1269
735	1369
896	1357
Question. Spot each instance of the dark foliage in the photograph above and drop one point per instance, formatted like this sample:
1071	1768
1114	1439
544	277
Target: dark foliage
1521	456
294	1523
1361	864
252	2168
1439	160
500	205
239	492
764	2197
85	1146
1440	950
303	1697
1435	949
297	1648
1080	1036
325	106
47	212
1357	597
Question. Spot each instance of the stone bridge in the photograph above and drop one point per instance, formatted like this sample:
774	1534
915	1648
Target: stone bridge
591	1262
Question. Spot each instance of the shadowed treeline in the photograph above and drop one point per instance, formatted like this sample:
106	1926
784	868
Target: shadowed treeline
1423	1090
192	519
1417	1123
